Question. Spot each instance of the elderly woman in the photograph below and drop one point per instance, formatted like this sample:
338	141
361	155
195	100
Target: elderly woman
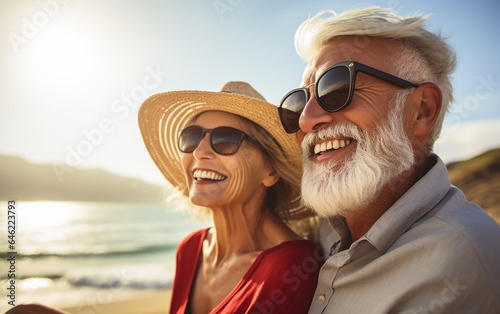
226	152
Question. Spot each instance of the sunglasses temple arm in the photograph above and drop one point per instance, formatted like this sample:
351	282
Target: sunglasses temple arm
394	80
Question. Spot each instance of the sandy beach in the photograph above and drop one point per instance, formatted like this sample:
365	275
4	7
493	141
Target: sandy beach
156	302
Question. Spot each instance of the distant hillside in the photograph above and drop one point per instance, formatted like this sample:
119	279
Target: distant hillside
27	181
479	179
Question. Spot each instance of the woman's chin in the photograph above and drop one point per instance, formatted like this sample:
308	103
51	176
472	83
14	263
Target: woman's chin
204	200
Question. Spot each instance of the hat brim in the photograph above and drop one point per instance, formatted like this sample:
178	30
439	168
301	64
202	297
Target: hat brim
162	116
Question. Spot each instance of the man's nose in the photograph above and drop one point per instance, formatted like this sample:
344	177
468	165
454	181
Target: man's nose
313	116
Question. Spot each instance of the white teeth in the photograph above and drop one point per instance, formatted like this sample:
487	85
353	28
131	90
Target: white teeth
336	144
207	175
328	145
317	149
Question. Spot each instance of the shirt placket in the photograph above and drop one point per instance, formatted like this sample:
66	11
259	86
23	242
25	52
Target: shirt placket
324	291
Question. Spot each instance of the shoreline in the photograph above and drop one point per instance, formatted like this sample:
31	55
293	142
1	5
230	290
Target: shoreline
156	302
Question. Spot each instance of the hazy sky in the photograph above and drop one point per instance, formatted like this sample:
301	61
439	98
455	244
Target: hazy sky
75	71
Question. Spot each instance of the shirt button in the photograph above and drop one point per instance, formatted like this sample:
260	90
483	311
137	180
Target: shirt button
321	299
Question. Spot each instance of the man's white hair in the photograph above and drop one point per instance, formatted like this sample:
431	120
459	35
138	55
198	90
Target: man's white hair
424	56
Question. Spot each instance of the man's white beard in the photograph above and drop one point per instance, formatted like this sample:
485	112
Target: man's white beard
380	156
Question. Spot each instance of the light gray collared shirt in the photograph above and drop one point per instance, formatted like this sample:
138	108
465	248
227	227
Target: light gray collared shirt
431	252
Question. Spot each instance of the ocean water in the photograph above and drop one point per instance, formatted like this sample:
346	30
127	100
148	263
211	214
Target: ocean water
87	254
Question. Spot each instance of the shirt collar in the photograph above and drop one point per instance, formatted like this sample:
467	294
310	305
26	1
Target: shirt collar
424	195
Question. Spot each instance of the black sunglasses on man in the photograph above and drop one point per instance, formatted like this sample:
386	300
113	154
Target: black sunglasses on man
333	91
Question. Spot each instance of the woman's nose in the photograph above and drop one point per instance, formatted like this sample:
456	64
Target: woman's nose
204	149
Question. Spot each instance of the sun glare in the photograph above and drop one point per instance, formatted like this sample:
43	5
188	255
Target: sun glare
49	214
62	58
35	283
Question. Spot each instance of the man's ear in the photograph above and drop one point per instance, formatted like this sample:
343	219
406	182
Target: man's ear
428	106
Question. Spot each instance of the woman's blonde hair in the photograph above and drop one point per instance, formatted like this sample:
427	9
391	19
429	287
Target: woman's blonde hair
278	196
278	199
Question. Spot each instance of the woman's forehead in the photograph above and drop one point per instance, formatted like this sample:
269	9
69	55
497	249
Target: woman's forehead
212	119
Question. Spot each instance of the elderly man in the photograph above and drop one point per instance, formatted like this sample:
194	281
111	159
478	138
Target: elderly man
397	237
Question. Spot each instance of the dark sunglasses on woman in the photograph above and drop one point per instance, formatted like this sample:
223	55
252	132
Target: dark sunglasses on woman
333	91
224	140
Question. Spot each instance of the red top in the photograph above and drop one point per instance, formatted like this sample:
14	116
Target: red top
282	279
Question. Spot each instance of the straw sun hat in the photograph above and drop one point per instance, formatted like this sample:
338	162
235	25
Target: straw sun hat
163	116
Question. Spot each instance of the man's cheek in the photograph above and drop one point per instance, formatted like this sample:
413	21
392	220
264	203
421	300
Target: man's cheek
300	136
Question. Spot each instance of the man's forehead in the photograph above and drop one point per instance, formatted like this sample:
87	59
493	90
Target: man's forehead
320	62
351	48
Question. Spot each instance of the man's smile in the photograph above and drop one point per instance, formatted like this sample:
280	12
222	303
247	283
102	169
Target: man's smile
332	144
